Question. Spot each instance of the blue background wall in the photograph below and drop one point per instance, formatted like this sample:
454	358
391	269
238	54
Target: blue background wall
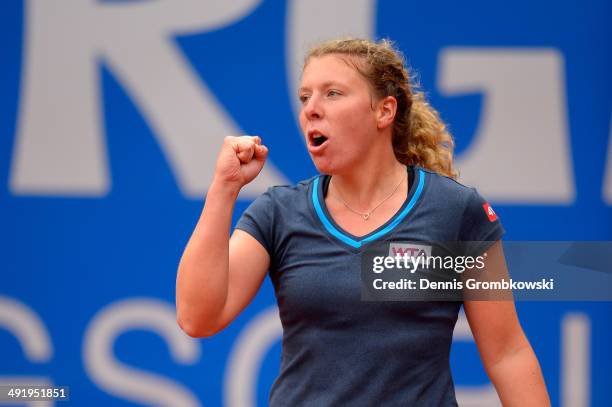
81	266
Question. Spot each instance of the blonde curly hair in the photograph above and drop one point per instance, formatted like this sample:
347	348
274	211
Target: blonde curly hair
419	135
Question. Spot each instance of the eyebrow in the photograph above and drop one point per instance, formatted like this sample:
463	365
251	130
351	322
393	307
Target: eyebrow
325	84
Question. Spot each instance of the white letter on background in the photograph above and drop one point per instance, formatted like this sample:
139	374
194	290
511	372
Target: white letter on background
520	151
309	22
59	147
576	360
32	335
127	382
244	363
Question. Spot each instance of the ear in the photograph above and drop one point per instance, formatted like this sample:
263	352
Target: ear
385	113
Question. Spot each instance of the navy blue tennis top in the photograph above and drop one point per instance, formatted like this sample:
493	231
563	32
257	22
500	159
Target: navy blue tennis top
337	349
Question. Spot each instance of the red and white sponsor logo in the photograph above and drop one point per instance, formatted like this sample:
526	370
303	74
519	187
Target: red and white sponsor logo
490	212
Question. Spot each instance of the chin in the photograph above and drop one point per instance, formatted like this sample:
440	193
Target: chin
323	165
326	166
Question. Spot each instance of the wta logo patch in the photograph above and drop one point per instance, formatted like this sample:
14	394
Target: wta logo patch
409	250
490	212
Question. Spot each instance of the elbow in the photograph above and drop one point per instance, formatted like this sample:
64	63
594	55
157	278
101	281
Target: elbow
195	319
194	329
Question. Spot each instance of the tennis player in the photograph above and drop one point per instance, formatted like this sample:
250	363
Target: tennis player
387	175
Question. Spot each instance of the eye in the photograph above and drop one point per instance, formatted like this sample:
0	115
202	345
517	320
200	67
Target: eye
304	98
333	92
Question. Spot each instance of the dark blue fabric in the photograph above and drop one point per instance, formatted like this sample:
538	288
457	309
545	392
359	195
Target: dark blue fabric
337	349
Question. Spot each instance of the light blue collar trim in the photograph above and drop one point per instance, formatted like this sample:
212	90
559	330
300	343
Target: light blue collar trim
358	243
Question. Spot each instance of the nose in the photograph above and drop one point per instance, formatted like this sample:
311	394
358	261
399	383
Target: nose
312	108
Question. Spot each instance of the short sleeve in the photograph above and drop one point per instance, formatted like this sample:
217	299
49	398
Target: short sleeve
258	221
479	224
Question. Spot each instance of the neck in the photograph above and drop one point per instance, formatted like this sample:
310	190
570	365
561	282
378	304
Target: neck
369	182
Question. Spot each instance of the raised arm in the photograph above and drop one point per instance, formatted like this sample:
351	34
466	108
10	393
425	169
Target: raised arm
214	283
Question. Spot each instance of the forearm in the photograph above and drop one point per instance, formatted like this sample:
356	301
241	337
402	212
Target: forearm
518	379
202	280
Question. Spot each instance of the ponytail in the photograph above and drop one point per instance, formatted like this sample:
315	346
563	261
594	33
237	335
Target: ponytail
427	142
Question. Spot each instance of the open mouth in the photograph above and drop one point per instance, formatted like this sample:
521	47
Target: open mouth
318	139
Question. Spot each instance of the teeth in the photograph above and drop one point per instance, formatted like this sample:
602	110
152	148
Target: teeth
318	139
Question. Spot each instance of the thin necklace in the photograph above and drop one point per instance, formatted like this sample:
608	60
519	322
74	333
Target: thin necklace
366	215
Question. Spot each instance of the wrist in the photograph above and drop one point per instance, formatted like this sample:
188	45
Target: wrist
228	190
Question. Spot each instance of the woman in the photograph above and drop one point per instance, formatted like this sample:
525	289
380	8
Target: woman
387	160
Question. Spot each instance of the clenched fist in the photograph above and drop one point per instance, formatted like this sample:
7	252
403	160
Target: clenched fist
240	160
